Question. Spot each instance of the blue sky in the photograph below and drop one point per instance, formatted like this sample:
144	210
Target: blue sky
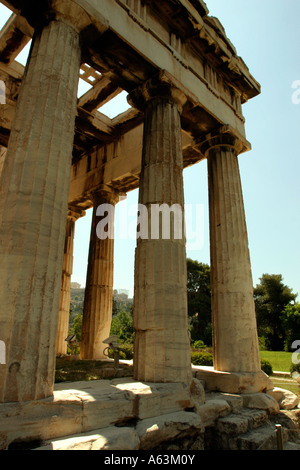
266	35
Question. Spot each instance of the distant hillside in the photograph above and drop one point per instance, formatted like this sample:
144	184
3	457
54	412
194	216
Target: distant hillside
121	303
76	303
77	293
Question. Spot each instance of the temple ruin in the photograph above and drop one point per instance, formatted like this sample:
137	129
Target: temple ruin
61	156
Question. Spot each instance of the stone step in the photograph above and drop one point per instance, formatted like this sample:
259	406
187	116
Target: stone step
151	433
234	401
262	438
112	437
242	422
291	446
80	407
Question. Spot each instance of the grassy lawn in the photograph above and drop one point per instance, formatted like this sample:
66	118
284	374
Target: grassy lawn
280	361
287	384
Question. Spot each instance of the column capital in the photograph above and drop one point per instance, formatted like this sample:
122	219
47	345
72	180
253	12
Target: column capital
38	14
224	136
75	212
163	87
105	193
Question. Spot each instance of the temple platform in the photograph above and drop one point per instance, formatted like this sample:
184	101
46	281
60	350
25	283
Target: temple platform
125	414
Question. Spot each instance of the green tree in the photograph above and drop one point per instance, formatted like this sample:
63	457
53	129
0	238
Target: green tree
291	325
115	308
76	326
199	301
122	326
271	297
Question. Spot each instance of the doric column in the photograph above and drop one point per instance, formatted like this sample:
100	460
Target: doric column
33	208
97	310
235	338
74	213
162	348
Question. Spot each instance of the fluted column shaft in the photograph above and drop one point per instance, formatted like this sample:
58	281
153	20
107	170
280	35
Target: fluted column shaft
73	214
33	208
161	350
233	313
97	310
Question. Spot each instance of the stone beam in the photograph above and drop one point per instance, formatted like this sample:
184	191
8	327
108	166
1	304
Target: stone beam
11	76
13	6
117	165
75	12
14	70
178	58
96	124
128	40
14	36
101	93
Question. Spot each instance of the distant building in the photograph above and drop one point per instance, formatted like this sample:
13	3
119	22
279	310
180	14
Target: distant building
75	285
123	291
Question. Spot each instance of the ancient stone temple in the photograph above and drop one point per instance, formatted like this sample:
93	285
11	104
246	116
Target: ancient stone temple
61	156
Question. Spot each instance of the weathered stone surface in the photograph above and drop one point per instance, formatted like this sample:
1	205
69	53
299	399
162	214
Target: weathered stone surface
287	400
34	197
154	431
97	309
152	399
34	200
75	408
79	407
125	414
263	437
213	409
233	424
111	438
235	401
290	401
160	296
197	392
64	304
234	321
261	401
242	422
39	420
276	393
233	382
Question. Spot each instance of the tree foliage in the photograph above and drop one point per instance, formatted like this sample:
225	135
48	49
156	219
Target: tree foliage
199	301
122	326
271	298
77	326
291	325
278	316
